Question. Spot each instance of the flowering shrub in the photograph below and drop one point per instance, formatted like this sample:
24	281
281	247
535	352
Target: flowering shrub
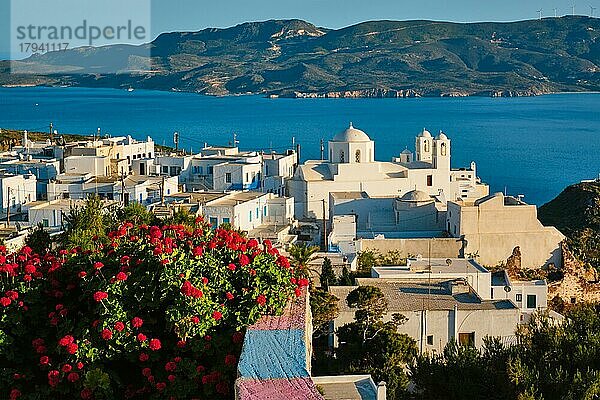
151	312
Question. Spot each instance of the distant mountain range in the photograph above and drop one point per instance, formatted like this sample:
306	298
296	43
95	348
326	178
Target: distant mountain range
373	59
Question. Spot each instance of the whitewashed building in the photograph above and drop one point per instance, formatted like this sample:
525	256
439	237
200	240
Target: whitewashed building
351	167
16	191
491	227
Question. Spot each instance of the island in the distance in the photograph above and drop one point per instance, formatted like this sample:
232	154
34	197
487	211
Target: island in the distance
293	58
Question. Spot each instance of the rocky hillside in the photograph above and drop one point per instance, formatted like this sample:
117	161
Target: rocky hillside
576	213
371	59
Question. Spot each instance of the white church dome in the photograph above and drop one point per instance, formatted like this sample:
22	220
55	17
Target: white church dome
351	135
416	196
425	133
442	136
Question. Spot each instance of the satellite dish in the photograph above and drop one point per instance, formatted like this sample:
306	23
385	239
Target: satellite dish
448	261
507	289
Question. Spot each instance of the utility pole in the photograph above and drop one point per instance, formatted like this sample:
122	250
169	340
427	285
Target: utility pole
176	141
8	208
324	227
123	188
51	131
162	190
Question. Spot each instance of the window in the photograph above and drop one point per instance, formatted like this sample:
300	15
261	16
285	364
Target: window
426	147
225	220
256	211
430	340
443	149
210	169
200	170
357	156
228	177
213	222
531	301
265	211
519	297
250	216
165	169
247	177
429	180
342	156
466	339
45	223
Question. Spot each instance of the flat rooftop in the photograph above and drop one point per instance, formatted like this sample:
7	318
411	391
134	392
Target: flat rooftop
438	266
349	195
197	197
414	296
61	204
235	198
346	387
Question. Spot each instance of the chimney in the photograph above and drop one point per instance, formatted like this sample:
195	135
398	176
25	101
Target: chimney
381	391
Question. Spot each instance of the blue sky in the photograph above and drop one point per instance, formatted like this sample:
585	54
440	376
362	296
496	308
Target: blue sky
194	14
170	15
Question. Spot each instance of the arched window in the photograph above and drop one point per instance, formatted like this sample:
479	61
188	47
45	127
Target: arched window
426	148
357	156
342	156
443	149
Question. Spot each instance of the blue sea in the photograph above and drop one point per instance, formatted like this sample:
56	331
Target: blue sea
533	146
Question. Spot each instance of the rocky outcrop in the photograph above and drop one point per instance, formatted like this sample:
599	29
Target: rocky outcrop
578	285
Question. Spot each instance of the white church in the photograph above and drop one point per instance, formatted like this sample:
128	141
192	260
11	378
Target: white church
351	170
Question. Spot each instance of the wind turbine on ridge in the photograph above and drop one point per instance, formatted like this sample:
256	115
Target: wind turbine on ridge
539	13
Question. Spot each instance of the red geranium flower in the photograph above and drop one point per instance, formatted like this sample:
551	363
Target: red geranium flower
137	322
98	265
106	334
170	366
217	315
154	344
141	337
73	377
72	348
121	276
99	296
197	251
261	300
66	340
230	360
119	326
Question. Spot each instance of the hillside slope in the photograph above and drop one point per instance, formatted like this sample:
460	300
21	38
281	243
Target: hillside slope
378	59
576	213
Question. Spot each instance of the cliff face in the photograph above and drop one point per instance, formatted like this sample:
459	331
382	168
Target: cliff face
294	58
576	213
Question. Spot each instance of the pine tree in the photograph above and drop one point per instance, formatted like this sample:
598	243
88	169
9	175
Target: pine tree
346	278
327	274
